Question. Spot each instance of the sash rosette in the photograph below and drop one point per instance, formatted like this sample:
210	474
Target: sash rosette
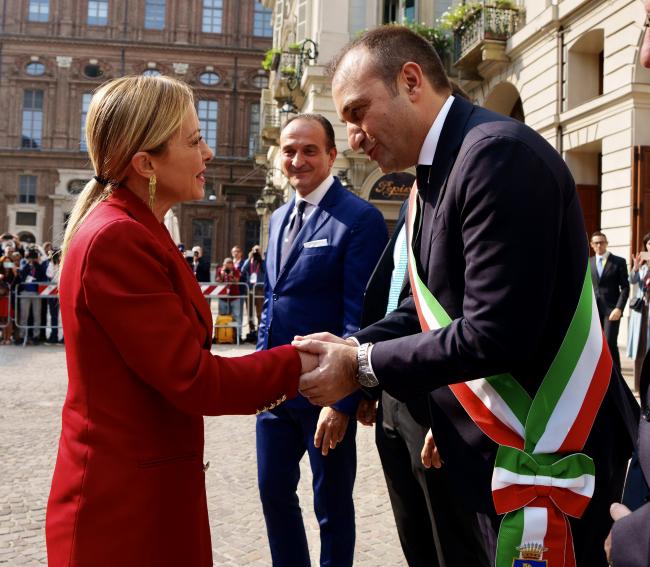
539	477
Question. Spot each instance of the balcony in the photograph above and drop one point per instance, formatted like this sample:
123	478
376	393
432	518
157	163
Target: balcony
269	123
480	41
287	68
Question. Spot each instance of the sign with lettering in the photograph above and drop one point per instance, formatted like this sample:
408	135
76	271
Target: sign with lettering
392	187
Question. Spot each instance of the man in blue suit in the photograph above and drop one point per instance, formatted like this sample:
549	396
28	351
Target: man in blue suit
323	246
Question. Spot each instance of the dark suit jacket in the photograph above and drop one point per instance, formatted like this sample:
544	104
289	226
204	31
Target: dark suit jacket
495	185
321	288
202	271
375	299
631	535
612	288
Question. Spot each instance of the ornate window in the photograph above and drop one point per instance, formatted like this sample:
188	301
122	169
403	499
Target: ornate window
38	11
35	69
93	71
151	73
97	12
85	102
212	16
262	24
253	128
260	81
32	130
209	78
27	189
154	15
208	111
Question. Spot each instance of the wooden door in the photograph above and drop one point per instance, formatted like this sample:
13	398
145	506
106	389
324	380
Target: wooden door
640	196
589	196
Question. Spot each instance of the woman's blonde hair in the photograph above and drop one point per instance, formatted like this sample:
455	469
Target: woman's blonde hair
126	116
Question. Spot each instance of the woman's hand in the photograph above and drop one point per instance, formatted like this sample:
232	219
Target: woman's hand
636	262
308	361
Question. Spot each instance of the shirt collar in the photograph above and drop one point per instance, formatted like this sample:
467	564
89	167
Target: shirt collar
316	196
428	151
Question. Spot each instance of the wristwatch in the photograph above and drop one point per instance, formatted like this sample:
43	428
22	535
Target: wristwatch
365	376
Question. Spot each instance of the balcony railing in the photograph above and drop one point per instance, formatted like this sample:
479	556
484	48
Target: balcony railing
269	121
487	23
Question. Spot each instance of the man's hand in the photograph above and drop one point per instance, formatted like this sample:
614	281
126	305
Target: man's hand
335	376
326	338
617	511
330	430
429	455
615	315
307	361
367	412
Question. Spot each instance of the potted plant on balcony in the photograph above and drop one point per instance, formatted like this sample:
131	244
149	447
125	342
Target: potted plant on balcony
271	59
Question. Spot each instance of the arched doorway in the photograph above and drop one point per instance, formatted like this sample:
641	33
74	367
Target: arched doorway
505	99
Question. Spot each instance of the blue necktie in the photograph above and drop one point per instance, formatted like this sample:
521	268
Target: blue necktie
397	279
294	229
599	266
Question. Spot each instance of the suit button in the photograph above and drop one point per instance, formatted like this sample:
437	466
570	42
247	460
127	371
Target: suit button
275	297
646	413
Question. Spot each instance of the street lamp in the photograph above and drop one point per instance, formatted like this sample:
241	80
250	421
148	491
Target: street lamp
260	207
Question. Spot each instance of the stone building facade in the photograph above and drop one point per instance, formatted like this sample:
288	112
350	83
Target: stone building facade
54	53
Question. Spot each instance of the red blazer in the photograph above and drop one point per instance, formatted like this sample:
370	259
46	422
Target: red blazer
129	486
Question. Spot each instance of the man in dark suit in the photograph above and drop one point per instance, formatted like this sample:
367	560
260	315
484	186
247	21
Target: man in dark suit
432	529
200	266
612	288
485	182
323	246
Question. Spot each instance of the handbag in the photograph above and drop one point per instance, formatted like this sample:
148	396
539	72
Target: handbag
637	304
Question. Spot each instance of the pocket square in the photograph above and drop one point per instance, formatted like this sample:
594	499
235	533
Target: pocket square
316	243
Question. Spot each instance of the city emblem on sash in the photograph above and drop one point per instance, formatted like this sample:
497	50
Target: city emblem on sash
530	555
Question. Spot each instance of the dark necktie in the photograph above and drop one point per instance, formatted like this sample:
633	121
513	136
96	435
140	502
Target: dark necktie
294	228
422	175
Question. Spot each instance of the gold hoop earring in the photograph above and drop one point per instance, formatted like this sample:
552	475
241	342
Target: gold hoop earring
152	191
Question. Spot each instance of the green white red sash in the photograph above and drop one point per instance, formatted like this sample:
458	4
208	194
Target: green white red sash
539	477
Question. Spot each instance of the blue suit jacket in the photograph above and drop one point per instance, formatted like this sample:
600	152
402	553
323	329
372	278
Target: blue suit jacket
321	288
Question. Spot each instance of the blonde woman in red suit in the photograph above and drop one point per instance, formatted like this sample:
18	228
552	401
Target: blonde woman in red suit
128	486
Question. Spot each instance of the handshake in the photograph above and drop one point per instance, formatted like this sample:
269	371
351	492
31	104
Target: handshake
329	367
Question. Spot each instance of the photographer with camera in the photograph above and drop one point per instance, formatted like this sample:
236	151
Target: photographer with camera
227	273
252	273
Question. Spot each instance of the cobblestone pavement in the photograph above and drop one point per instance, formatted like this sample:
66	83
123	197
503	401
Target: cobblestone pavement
32	390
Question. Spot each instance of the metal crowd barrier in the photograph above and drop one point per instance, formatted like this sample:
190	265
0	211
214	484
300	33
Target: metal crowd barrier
222	292
45	291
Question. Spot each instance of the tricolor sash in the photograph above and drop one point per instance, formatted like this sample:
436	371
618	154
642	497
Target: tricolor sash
539	476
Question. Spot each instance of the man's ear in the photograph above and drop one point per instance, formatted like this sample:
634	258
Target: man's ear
412	77
142	164
333	153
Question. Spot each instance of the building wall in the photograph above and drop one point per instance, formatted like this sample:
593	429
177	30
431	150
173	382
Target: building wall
553	65
66	44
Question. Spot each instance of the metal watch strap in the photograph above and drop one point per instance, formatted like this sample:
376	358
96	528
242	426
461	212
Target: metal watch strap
365	375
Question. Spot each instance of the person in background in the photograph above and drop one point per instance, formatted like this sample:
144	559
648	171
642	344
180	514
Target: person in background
628	544
323	245
8	276
237	256
52	273
612	288
129	481
200	266
229	305
238	263
31	274
253	272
